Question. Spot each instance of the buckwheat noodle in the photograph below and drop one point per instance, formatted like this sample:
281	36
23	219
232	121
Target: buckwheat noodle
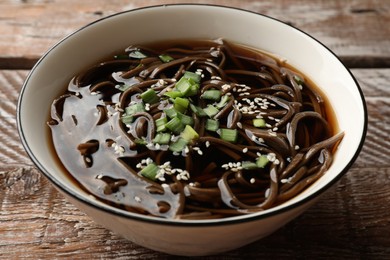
209	176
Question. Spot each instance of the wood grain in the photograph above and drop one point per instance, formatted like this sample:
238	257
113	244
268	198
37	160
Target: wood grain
37	222
356	30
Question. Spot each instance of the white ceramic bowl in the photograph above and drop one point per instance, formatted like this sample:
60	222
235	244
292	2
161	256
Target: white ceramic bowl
99	39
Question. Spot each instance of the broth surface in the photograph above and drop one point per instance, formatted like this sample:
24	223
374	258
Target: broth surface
193	130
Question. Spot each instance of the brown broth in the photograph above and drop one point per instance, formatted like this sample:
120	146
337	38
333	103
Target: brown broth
105	156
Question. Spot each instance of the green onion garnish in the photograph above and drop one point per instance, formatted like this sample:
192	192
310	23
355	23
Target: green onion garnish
137	55
229	135
175	125
150	171
298	80
211	110
178	145
173	94
127	118
170	112
262	161
122	87
197	110
211	94
150	96
247	165
259	122
160	124
162	138
212	125
223	101
165	58
189	134
181	104
185	120
191	75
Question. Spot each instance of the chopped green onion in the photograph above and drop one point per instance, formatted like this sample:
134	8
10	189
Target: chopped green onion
165	58
191	75
162	138
184	85
122	87
185	120
150	96
194	89
259	122
160	124
189	134
181	104
127	119
211	94
212	125
211	110
175	125
178	145
229	135
130	111
197	110
247	165
150	171
140	141
223	101
137	55
262	161
298	80
170	112
173	94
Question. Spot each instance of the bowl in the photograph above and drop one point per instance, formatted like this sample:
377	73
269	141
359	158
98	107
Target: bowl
166	22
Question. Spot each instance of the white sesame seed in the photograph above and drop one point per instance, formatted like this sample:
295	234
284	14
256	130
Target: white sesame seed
239	125
245	150
252	180
207	143
296	147
137	199
267	192
283	180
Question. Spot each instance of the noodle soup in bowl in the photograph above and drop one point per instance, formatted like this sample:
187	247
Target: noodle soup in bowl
165	101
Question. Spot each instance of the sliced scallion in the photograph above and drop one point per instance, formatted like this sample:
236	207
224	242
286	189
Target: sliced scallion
150	171
189	134
137	55
160	124
178	145
181	104
165	58
162	138
175	125
122	87
248	165
229	135
185	120
212	125
262	161
150	96
197	110
210	110
192	75
173	94
170	112
259	122
223	101
211	94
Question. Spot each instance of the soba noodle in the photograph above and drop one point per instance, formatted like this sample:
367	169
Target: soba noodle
193	130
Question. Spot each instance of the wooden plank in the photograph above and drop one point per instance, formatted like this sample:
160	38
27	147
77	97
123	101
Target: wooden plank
37	222
355	30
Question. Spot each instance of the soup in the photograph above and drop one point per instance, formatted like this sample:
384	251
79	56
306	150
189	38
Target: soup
193	130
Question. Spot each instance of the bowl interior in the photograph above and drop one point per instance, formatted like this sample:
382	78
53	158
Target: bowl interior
86	46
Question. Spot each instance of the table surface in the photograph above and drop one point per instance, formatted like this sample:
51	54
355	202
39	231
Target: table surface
350	221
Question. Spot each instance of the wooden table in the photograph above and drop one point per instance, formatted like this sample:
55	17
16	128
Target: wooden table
351	221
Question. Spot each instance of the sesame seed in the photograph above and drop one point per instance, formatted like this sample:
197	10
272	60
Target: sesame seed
252	180
239	125
207	143
137	199
267	192
296	147
245	150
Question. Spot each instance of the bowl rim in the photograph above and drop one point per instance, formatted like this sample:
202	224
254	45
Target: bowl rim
175	222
